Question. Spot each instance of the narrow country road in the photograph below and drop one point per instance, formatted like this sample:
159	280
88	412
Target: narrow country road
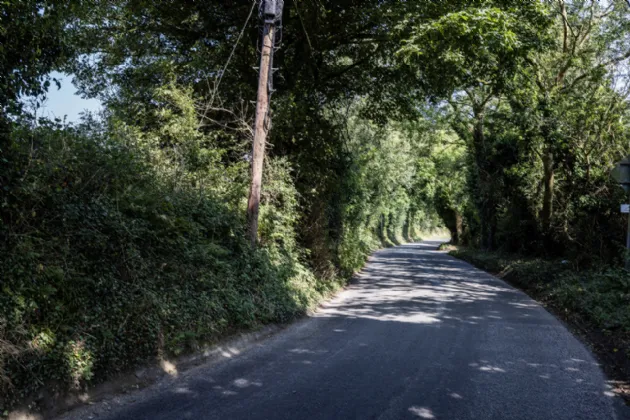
420	335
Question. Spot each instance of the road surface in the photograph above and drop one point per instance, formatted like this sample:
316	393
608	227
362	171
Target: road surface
420	335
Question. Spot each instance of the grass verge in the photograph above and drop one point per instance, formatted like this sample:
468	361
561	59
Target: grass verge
594	303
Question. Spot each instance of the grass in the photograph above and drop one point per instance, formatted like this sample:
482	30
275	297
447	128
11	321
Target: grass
595	303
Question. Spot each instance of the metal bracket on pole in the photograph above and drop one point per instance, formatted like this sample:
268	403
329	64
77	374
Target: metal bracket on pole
272	10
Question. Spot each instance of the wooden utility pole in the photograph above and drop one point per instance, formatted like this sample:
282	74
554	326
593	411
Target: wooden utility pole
272	12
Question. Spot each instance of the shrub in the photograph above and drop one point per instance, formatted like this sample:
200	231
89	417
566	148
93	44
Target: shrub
113	256
600	296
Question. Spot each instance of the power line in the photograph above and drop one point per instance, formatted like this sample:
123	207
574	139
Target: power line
217	82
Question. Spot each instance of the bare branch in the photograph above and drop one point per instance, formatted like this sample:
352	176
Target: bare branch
566	26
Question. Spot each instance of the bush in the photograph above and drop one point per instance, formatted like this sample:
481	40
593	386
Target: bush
113	256
122	244
599	296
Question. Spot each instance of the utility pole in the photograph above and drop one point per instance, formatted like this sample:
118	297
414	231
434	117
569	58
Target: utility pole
271	12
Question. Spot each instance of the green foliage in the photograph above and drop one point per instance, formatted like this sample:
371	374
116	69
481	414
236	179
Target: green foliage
537	102
122	243
118	249
35	36
482	44
599	296
387	192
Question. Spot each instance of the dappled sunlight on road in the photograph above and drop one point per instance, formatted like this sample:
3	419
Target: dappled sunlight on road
422	412
168	367
414	288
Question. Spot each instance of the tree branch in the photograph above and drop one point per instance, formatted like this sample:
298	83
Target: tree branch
598	67
566	26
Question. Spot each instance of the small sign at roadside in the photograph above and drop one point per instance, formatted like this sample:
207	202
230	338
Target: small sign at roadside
625	208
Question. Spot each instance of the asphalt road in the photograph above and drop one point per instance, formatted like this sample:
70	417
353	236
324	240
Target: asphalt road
420	335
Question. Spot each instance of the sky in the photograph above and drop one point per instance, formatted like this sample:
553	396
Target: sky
65	101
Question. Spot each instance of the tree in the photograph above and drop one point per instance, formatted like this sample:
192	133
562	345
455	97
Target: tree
467	57
589	42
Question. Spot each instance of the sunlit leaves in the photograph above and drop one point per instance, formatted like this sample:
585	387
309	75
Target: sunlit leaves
473	46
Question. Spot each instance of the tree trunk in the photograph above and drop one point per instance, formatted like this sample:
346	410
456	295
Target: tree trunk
492	229
457	230
407	227
548	184
485	184
381	229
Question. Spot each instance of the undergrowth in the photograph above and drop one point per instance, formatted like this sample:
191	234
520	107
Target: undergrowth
599	297
110	259
122	246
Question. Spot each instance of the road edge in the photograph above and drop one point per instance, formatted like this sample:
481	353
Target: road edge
586	336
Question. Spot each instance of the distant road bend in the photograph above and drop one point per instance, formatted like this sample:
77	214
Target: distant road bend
420	335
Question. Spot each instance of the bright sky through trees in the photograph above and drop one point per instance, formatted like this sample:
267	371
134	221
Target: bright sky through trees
65	102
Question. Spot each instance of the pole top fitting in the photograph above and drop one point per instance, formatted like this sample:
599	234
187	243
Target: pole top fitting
271	10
